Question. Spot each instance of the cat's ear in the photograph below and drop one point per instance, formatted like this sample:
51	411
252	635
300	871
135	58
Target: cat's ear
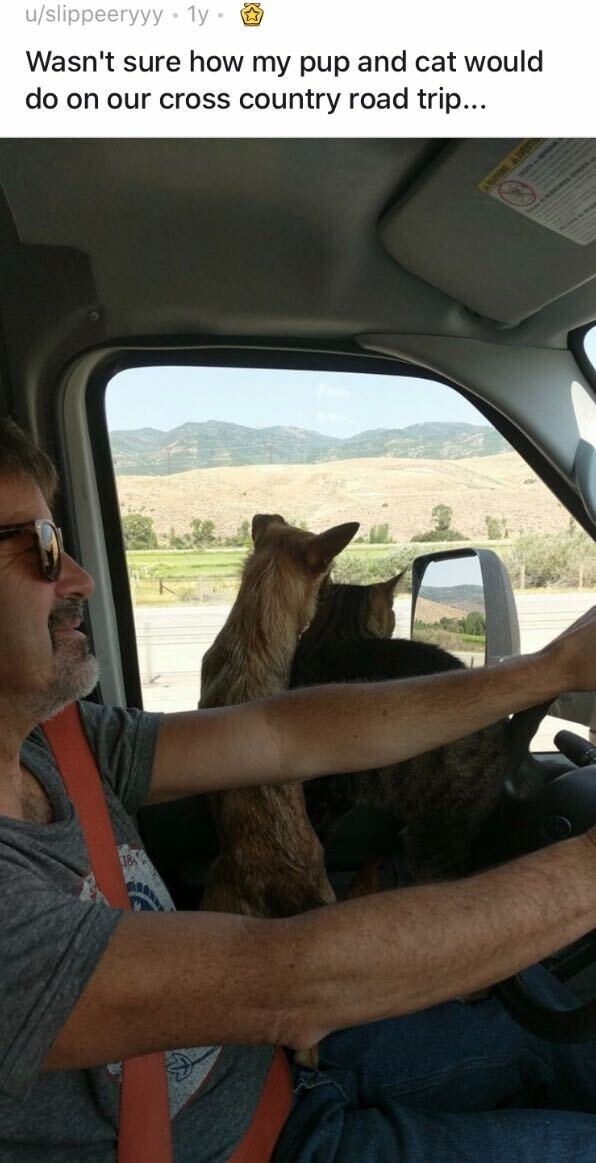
261	522
381	619
391	585
325	546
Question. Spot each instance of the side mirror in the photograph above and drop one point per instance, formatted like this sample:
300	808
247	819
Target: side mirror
462	600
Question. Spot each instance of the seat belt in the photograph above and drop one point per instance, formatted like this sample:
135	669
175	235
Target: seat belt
145	1133
145	1130
272	1110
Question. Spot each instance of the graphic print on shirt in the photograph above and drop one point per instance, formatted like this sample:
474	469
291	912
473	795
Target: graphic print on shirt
187	1069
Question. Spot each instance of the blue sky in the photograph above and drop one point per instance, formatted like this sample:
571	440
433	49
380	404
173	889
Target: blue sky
334	403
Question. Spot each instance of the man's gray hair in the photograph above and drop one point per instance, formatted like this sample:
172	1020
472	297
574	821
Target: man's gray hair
20	457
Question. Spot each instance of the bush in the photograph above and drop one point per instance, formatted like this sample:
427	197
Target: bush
496	528
379	534
548	560
361	569
439	535
242	535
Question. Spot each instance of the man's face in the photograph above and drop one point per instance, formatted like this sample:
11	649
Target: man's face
44	658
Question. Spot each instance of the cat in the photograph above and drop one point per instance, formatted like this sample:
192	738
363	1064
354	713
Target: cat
441	797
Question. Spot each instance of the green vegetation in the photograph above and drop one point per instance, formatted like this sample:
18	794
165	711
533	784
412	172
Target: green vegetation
473	624
467	633
174	563
534	561
379	535
442	516
496	527
539	560
138	532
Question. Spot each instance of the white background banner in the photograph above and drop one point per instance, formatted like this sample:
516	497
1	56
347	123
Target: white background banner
342	68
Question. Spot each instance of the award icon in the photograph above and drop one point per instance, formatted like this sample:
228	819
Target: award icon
252	14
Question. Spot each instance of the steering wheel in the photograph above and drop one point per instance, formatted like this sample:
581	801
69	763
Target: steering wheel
574	1025
566	806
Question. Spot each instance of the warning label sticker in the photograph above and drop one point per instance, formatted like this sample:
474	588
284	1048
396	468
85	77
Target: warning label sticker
552	181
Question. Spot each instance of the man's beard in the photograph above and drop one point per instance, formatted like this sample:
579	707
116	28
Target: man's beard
76	669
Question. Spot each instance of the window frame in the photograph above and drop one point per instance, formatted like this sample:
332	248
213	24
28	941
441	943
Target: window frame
230	353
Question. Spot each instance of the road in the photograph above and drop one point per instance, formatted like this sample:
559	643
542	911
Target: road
172	641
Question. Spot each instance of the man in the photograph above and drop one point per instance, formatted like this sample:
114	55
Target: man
84	984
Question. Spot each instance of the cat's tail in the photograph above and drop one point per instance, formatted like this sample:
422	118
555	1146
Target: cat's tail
524	777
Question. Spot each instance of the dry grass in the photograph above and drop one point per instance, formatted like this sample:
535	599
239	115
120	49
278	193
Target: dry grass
400	492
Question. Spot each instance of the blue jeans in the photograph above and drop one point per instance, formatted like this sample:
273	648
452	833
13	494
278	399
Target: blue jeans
458	1083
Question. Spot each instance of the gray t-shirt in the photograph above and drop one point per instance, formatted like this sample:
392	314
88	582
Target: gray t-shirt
55	925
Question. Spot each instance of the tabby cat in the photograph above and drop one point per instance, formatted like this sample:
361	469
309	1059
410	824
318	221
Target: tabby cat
442	797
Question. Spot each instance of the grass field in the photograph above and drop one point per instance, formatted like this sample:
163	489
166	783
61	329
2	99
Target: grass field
177	563
171	576
224	561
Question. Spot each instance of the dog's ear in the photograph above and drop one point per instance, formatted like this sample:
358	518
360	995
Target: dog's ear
325	546
262	521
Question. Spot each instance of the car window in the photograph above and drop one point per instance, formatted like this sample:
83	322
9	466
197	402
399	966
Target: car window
197	451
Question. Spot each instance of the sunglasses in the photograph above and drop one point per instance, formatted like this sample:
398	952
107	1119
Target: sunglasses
48	542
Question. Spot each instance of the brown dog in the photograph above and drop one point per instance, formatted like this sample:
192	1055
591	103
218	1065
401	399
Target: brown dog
270	862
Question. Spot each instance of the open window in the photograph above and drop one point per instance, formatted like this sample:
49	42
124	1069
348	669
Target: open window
198	450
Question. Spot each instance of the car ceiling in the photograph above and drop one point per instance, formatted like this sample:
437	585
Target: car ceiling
308	239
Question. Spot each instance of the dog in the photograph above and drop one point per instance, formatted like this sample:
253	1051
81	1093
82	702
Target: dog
271	862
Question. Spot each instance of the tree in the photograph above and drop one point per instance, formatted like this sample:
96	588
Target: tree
474	623
243	536
176	542
441	531
195	532
496	527
442	516
138	532
379	534
201	533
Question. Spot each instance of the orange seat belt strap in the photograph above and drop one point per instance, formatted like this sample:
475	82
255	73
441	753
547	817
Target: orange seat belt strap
145	1133
273	1108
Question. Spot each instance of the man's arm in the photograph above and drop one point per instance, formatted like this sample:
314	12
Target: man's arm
352	727
203	978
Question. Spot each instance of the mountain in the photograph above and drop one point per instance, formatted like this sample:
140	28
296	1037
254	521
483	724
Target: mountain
458	599
435	440
215	444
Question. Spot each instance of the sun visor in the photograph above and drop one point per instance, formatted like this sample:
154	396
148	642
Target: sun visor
502	226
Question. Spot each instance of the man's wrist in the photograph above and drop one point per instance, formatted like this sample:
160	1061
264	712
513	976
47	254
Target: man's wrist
544	675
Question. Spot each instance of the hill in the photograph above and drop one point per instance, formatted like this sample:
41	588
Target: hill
401	492
150	452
